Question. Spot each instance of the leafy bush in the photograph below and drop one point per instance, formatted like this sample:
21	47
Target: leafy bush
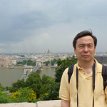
4	98
23	95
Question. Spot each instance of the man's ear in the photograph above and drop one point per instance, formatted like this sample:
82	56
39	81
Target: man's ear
74	51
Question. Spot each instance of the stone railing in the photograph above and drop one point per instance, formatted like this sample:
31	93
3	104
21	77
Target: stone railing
51	103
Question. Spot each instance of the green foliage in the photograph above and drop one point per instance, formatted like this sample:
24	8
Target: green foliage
52	62
23	95
47	63
34	81
46	82
48	89
27	62
1	87
17	85
54	92
62	64
37	88
30	62
4	97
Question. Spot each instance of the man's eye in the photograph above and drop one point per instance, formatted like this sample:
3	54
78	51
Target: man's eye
81	46
90	46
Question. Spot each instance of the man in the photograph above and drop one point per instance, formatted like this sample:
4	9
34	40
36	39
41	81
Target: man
86	84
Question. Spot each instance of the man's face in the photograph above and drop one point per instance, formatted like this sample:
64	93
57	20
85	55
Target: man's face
85	48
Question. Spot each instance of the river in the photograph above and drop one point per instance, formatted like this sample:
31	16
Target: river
11	75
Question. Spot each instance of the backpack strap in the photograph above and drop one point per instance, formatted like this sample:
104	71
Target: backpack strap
93	80
70	72
77	85
93	77
104	75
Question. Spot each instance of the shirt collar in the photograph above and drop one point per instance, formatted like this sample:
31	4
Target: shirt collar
80	68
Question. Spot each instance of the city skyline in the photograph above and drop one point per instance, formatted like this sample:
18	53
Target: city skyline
37	26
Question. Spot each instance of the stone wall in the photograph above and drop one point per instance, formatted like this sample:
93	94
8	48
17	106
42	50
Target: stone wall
51	103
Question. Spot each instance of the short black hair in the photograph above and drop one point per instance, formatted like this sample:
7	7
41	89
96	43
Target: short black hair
82	34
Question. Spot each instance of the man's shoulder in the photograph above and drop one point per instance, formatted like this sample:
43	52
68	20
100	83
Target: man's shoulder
98	64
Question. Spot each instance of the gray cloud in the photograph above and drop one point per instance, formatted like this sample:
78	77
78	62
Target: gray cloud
32	25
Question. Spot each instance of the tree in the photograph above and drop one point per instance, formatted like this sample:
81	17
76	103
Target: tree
54	92
31	63
34	81
47	87
28	62
62	64
17	85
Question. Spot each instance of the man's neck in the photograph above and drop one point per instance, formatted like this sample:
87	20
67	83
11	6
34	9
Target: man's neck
86	65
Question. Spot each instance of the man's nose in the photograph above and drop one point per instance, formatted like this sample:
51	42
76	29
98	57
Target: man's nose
85	48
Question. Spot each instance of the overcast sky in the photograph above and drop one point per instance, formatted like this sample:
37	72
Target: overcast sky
38	25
